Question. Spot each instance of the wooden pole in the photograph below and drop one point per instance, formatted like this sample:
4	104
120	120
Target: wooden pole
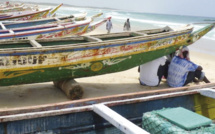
71	88
117	120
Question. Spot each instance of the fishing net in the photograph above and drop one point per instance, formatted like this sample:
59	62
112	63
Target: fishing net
155	122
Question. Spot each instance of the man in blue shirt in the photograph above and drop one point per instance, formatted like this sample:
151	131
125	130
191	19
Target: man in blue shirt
182	71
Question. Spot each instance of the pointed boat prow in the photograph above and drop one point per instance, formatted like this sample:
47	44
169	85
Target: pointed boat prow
196	35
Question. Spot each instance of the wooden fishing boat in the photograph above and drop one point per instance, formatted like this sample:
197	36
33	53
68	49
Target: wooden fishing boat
94	115
50	20
76	57
14	9
9	4
24	15
62	28
34	61
28	15
21	7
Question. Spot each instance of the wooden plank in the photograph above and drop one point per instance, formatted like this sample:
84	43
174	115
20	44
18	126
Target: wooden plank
35	43
57	19
11	31
167	29
138	33
85	102
46	110
208	92
2	26
117	120
90	38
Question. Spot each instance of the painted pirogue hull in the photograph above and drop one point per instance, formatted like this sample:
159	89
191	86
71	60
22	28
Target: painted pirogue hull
24	15
78	116
51	63
14	9
48	31
22	24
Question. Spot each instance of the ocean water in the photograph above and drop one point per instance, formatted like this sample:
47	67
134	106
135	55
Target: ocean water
140	21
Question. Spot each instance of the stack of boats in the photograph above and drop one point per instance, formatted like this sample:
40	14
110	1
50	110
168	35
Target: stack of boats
30	51
41	24
44	49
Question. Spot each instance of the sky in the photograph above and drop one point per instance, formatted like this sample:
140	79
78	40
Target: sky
176	7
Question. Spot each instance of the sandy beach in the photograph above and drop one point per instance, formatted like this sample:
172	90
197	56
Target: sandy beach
109	84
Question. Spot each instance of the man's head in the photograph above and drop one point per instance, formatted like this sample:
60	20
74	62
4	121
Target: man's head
184	53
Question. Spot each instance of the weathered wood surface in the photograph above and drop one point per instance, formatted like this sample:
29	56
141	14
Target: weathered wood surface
118	98
117	120
71	88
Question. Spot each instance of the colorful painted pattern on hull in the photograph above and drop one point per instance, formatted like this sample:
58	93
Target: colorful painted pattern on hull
32	15
14	9
60	31
58	63
74	63
65	29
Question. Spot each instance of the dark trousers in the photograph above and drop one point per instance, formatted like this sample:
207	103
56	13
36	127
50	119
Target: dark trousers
192	75
163	70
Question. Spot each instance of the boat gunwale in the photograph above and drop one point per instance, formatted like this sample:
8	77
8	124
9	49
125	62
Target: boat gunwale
86	104
26	14
95	44
56	28
6	23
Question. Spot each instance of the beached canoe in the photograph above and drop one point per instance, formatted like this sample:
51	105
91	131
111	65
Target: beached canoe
49	20
8	4
28	15
34	61
15	9
96	115
24	15
18	8
62	27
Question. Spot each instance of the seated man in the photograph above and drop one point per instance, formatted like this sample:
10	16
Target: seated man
182	71
152	72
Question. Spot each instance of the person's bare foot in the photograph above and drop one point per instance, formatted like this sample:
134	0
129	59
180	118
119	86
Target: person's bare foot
205	79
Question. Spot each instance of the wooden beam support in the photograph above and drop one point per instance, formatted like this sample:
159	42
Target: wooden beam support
2	26
11	31
57	19
138	33
71	88
35	43
208	92
90	38
117	120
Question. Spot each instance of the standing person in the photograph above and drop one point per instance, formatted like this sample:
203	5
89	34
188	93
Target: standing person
127	26
182	71
152	72
109	26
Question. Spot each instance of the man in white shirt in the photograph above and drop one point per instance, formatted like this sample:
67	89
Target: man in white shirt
152	72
